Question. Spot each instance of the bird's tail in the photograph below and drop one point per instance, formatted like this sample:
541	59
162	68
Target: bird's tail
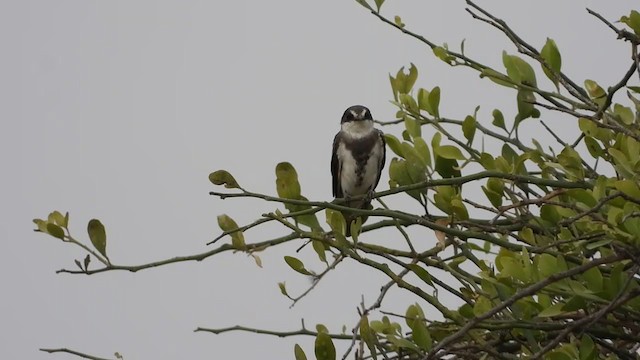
350	217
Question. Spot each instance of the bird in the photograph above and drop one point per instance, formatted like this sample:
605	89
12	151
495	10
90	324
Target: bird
357	160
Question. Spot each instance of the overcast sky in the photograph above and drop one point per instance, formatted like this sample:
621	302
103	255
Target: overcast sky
119	110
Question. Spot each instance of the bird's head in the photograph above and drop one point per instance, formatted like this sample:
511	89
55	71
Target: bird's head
357	121
356	113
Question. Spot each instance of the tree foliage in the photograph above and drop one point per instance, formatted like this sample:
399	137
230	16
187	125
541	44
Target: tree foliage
543	262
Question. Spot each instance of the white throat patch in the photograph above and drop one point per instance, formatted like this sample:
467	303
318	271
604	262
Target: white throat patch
358	129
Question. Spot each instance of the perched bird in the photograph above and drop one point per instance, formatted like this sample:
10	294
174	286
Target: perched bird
357	160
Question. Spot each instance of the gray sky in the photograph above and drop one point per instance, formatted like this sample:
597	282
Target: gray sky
120	109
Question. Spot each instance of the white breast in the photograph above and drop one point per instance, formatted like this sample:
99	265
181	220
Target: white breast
349	177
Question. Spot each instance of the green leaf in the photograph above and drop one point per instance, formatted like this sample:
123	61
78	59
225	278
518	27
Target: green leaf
402	343
434	101
587	348
287	181
283	289
336	221
481	306
527	235
368	335
324	348
296	265
394	144
450	152
423	100
226	223
412	76
223	177
624	113
595	90
628	187
518	70
422	149
469	128
498	119
59	219
320	249
632	21
378	6
497	77
422	273
55	231
299	353
413	127
398	21
420	333
553	310
552	58
364	3
447	168
525	100
41	224
98	236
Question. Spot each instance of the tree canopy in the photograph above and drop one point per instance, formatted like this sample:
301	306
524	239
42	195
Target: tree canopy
534	250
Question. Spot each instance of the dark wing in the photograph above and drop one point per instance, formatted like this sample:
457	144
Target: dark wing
382	158
336	167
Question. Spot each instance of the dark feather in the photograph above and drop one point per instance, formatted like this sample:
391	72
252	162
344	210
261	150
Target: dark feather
335	167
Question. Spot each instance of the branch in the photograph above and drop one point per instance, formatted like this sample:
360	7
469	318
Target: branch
530	290
524	48
622	34
76	353
302	332
196	257
588	320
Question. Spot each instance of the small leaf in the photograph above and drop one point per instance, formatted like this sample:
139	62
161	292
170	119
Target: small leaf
481	306
394	144
223	177
413	127
553	310
552	58
299	353
379	4
283	289
632	21
226	223
422	149
628	187
320	249
518	70
324	348
296	265
59	219
364	3
422	273
443	54
447	168
41	224
98	236
287	183
434	101
87	260
469	128
55	231
450	152
398	21
595	90
498	119
257	259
